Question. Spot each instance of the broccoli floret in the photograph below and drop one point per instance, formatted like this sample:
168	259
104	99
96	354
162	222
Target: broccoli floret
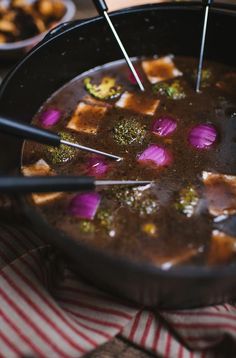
160	88
86	227
206	77
172	90
137	200
129	131
63	153
128	196
188	200
148	206
107	89
105	219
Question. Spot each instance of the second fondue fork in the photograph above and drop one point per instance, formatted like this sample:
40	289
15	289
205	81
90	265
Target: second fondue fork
102	10
28	131
207	4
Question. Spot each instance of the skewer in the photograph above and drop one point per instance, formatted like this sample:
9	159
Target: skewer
207	4
45	184
102	10
28	131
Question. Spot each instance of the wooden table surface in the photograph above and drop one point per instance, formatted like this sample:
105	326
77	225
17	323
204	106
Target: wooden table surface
117	347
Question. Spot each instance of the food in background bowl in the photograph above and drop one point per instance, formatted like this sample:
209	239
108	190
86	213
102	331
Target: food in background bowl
180	139
23	23
22	19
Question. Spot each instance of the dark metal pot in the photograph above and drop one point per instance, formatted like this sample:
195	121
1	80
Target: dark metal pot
80	46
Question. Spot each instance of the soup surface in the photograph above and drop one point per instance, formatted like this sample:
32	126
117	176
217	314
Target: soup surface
185	142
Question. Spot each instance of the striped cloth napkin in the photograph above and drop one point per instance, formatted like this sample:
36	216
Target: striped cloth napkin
46	311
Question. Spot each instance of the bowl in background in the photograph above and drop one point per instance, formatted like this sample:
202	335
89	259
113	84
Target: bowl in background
15	50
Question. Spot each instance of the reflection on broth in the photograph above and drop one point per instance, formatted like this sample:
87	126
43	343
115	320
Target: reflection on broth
181	140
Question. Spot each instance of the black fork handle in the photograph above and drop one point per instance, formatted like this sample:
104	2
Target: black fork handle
43	184
28	131
101	6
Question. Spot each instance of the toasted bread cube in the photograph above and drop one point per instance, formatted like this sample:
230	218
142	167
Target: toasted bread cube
8	27
160	69
59	9
220	191
3	39
222	248
40	24
39	168
45	198
20	3
45	7
86	118
138	104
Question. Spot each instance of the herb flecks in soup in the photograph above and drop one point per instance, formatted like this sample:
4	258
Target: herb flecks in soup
183	141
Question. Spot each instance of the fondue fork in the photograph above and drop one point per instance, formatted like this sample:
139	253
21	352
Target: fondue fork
207	4
102	10
28	131
46	184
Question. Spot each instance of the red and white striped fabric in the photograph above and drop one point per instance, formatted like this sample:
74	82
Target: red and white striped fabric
45	311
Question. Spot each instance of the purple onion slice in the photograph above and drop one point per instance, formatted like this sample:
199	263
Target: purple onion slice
97	166
202	136
164	126
50	117
155	154
85	205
